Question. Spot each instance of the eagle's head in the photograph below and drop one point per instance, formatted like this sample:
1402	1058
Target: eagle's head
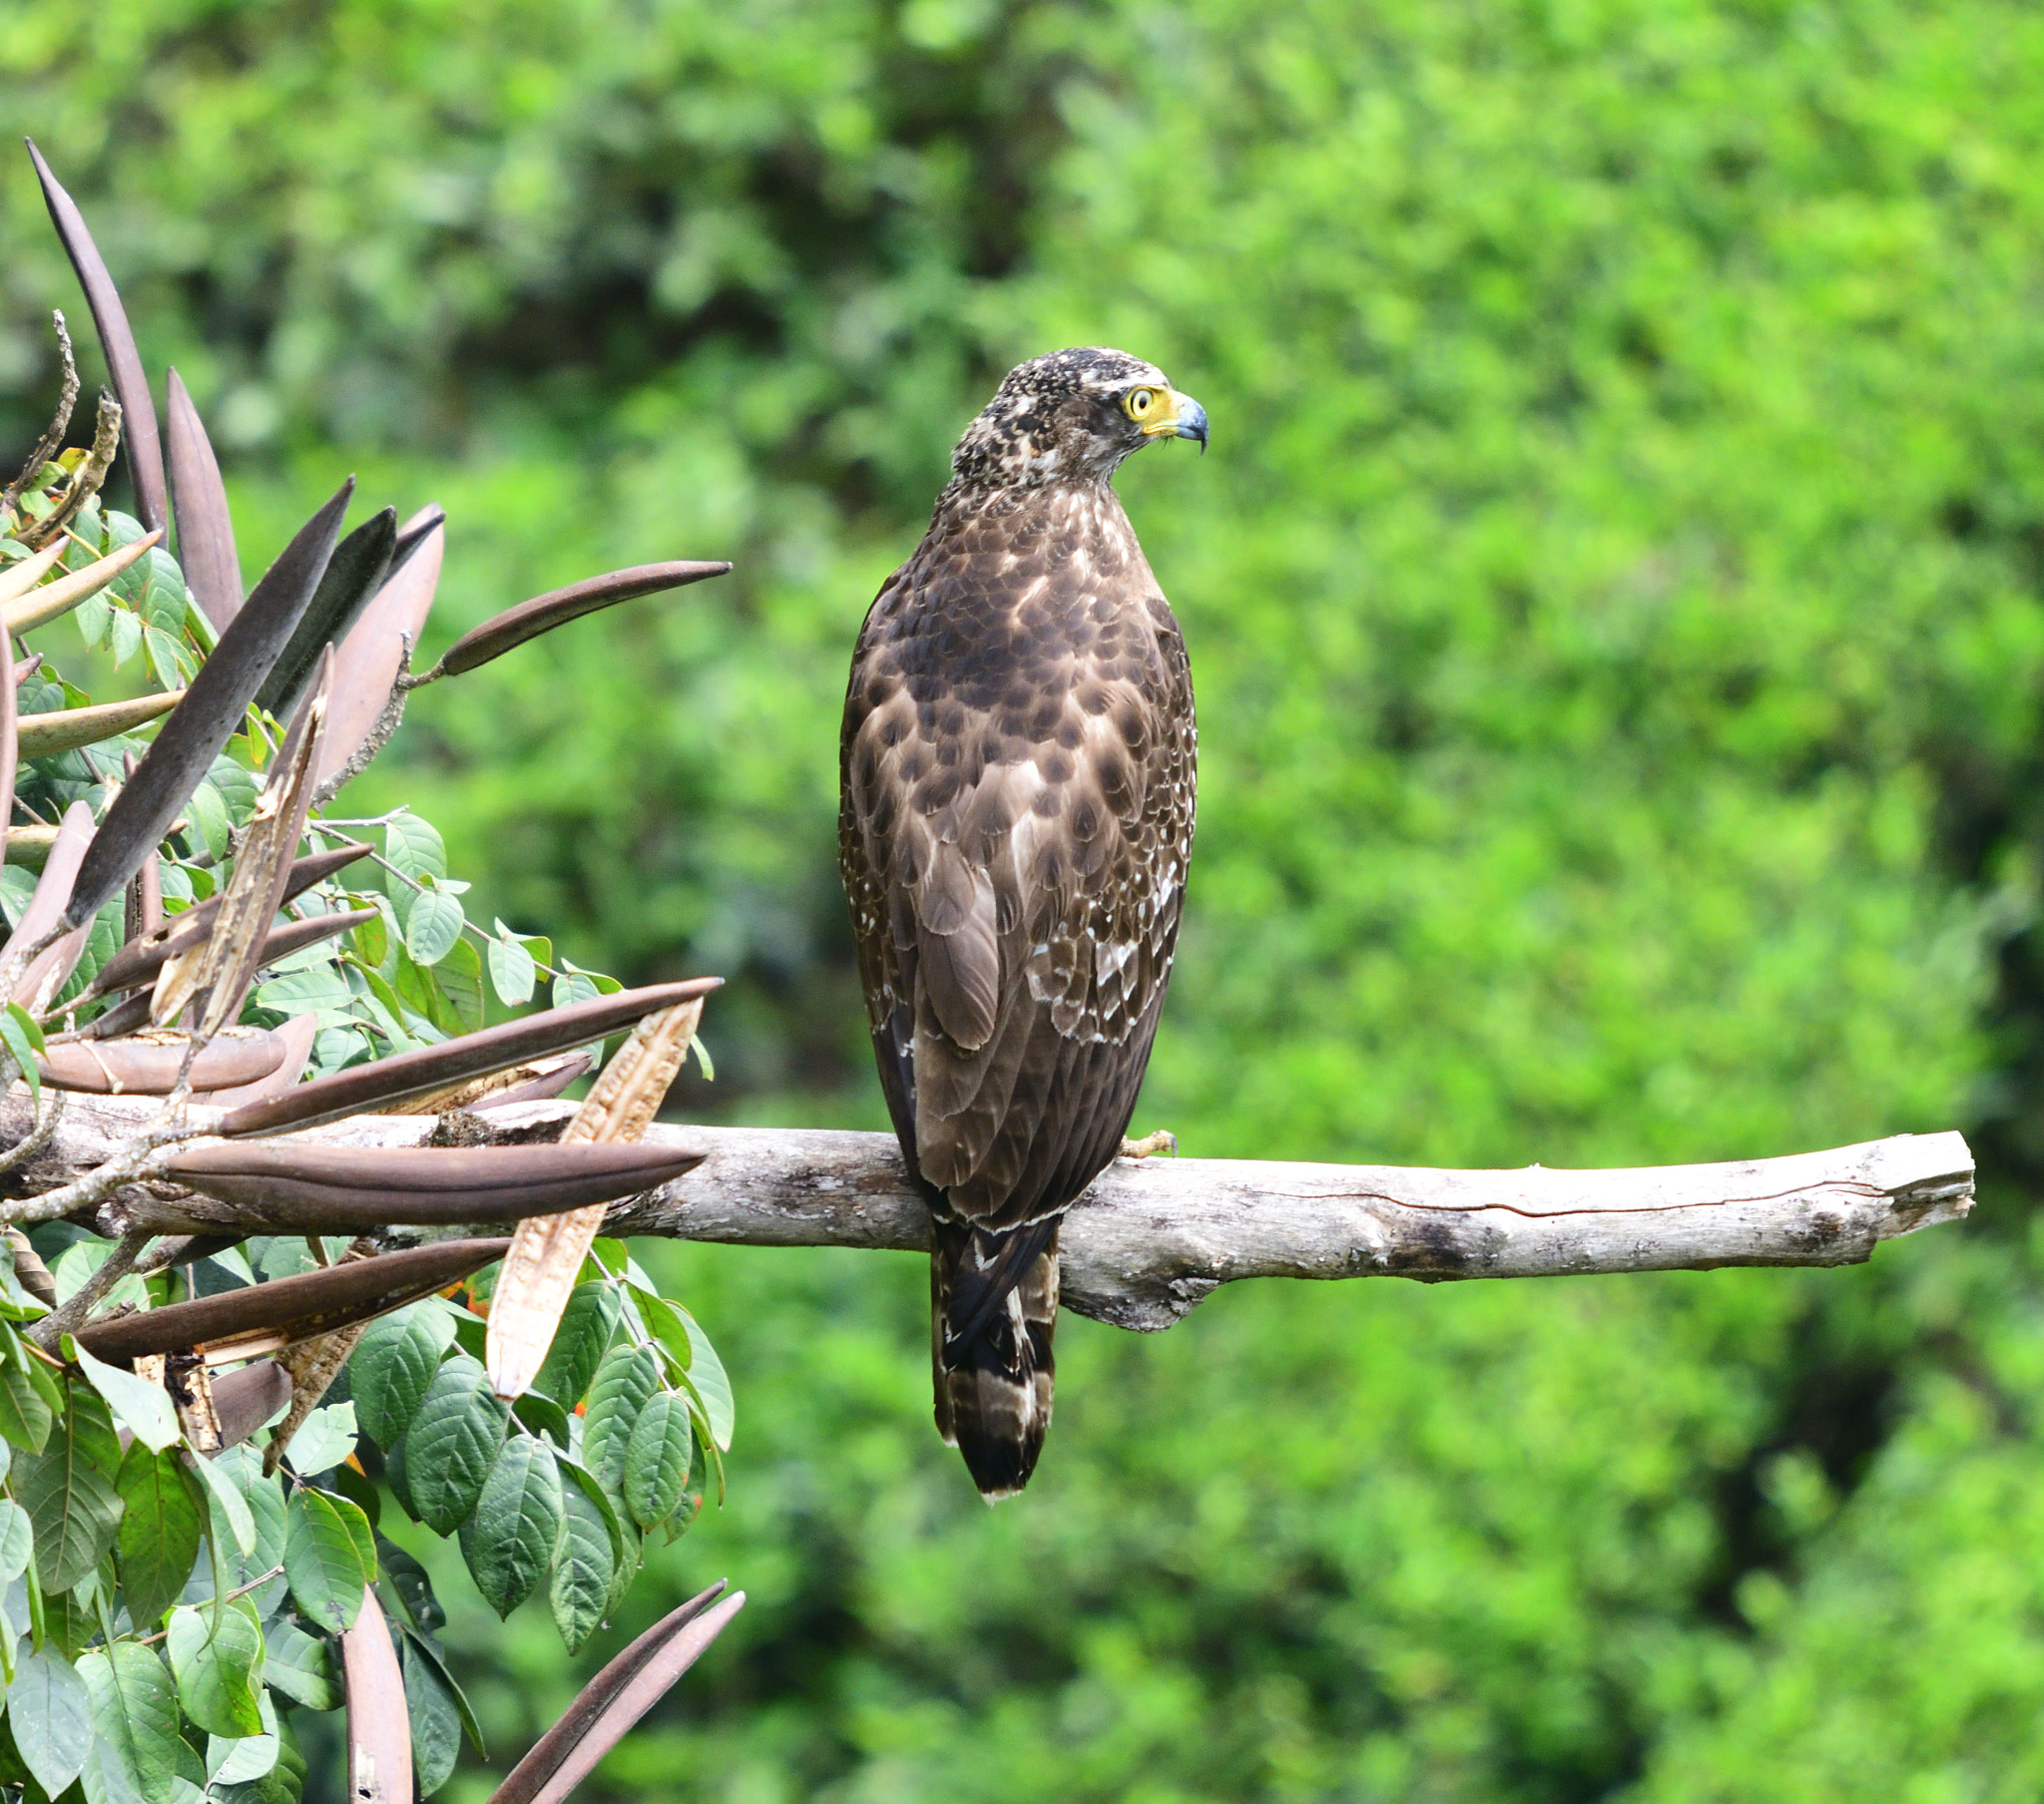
1072	416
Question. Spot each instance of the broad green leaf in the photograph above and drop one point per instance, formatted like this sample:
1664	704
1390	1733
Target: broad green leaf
509	1540
579	1589
394	1365
413	1588
301	1665
17	1542
627	1376
127	636
711	1387
135	1711
142	1408
453	1441
586	1329
217	1655
168	658
544	1416
69	1489
231	1762
513	973
14	1035
161	1522
94	615
396	1474
435	1655
242	1469
656	1458
571	986
285	1783
435	1719
231	1509
433	927
322	1559
324	1439
49	1711
460	977
415	847
205	808
27	1390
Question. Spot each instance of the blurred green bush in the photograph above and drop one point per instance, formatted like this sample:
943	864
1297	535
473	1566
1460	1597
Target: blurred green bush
1613	598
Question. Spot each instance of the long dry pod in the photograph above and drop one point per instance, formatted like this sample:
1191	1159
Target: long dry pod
59	868
248	1397
501	632
117	341
333	1189
359	568
364	1087
280	943
378	1724
149	1067
288	1310
297	1035
139	960
368	661
213	708
616	1699
66	729
18	578
198	504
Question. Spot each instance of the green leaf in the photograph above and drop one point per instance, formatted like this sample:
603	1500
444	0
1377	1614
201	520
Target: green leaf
433	927
397	1477
586	1329
230	1505
509	1540
16	1035
324	1439
235	1761
301	1665
585	1562
323	1558
434	1655
453	1441
167	657
513	974
240	1469
28	1389
94	615
217	1657
460	979
207	810
623	1381
127	636
142	1408
161	1522
413	1588
49	1710
435	1718
415	847
135	1711
708	1380
17	1542
69	1489
656	1458
394	1365
285	1783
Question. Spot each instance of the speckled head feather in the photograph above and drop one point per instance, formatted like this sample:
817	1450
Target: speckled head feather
1058	417
1015	824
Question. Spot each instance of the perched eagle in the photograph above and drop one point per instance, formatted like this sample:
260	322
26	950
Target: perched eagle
1015	820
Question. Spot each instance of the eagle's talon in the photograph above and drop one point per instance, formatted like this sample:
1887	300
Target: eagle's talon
1150	1146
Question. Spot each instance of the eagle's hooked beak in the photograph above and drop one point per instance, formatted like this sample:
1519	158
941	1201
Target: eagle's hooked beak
1183	417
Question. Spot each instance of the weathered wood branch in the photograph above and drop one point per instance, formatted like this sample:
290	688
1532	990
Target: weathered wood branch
1152	1237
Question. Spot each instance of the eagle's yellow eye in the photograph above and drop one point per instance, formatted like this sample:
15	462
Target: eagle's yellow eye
1140	403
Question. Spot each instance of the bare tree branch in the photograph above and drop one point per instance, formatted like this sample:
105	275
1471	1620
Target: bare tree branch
1152	1237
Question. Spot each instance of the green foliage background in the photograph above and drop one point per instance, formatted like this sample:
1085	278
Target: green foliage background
1615	603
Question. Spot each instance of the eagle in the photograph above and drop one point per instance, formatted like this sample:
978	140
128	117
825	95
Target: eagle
1016	791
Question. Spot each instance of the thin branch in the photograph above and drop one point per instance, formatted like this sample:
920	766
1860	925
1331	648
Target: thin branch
52	440
240	1590
49	1332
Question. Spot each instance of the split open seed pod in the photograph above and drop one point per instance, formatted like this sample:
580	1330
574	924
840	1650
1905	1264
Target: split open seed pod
263	1318
616	1699
390	1081
338	1189
147	1064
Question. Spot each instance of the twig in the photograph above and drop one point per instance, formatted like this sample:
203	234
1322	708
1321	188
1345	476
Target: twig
240	1590
85	481
43	1133
49	1332
52	441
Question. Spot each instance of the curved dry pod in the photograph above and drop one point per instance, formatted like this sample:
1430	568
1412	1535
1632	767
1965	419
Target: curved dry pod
286	1310
501	632
41	605
379	1770
542	1086
198	504
147	1065
44	736
18	578
117	341
297	1035
616	1699
67	849
334	1188
366	662
388	1082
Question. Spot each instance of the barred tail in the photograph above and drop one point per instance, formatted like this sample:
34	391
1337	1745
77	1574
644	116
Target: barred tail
993	1304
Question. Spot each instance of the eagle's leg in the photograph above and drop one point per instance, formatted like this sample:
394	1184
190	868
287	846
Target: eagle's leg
1150	1146
993	1307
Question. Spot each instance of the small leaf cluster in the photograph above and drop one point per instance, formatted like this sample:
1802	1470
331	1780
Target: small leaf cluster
626	1423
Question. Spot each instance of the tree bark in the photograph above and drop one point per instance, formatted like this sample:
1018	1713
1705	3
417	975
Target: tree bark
1152	1237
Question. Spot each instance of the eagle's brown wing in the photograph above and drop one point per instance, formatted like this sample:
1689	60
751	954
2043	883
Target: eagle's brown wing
1017	770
